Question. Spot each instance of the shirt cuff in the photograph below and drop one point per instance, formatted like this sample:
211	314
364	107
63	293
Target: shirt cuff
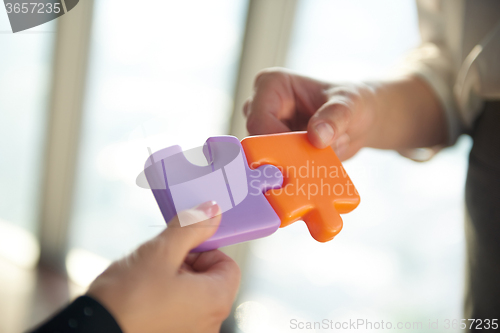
84	315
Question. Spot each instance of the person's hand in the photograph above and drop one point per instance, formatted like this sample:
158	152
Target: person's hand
341	116
161	287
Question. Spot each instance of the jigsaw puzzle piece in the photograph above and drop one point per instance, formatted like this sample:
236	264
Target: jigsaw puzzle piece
316	188
156	179
227	179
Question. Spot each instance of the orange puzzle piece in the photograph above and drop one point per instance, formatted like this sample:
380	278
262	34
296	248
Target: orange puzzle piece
316	188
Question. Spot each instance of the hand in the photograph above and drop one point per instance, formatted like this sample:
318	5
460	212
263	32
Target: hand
340	116
161	287
401	114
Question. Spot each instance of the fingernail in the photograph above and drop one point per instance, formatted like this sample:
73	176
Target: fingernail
209	208
325	132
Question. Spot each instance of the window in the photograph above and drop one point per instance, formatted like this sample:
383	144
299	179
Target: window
25	68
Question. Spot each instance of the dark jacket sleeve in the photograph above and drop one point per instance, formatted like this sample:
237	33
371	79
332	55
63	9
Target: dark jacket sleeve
84	315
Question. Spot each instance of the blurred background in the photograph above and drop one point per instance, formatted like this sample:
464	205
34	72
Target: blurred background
82	96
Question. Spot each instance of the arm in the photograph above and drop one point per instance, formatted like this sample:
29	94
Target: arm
399	114
417	109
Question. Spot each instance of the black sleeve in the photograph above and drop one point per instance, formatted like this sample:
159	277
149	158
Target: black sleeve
84	315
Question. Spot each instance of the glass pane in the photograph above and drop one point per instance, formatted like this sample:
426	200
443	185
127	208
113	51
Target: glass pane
25	69
167	72
400	255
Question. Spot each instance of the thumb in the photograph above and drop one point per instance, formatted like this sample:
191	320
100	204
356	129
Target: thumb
189	229
329	123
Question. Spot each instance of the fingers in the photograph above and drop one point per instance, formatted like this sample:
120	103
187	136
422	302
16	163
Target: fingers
246	106
216	269
341	145
283	101
189	229
265	123
347	149
220	268
213	262
332	120
272	100
329	123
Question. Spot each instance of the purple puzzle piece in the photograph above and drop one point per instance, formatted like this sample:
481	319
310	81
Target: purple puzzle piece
177	184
